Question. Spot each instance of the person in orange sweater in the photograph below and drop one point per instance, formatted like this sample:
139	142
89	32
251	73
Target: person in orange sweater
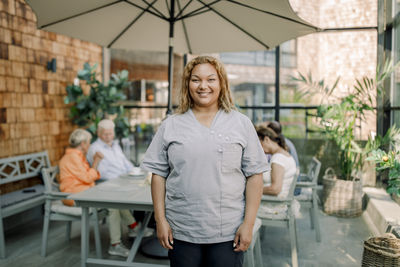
75	173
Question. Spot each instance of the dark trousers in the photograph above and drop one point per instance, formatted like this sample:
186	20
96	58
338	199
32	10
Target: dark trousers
185	254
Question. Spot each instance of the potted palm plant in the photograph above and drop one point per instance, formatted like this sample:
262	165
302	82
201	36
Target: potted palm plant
99	101
337	119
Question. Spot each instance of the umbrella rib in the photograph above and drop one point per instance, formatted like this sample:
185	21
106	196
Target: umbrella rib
236	25
184	26
130	24
166	3
192	14
183	9
160	15
156	10
198	11
79	14
273	14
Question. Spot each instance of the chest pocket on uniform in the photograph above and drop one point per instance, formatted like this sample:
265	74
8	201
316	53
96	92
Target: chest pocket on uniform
231	157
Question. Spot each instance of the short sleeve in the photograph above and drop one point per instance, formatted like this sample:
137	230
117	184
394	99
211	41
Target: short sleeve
253	159
156	158
279	159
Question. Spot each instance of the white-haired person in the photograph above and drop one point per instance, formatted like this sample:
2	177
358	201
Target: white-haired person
76	175
113	165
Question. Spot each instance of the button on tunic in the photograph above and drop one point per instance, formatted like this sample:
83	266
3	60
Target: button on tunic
206	170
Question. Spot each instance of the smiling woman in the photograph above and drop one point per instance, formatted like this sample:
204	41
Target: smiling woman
204	87
206	183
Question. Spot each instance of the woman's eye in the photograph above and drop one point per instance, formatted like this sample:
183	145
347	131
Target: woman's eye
195	80
211	80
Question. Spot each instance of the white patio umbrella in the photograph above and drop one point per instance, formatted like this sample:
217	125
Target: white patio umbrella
185	26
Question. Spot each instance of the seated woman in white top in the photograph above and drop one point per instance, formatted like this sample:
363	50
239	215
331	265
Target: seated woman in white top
278	179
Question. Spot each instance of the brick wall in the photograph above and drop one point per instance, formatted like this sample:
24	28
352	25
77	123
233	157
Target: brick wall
348	54
33	116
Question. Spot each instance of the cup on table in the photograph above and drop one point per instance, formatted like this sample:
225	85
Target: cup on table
136	171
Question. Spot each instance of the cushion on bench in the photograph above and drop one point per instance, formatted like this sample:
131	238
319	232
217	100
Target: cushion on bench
21	195
59	207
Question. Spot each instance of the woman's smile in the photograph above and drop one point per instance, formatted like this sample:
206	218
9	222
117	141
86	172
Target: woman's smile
204	94
204	86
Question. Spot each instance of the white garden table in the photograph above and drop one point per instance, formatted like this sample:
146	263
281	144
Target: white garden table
120	193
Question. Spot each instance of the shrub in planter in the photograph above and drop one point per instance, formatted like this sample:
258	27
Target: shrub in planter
389	159
337	118
93	100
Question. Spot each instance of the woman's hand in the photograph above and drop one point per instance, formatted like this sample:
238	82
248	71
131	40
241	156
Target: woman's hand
97	157
253	197
164	231
243	237
164	234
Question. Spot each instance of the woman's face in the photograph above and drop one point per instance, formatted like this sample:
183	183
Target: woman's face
204	86
85	146
267	145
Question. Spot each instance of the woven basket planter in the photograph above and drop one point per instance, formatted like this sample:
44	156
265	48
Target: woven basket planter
381	252
340	197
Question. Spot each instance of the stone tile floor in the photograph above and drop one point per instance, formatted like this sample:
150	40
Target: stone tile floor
342	244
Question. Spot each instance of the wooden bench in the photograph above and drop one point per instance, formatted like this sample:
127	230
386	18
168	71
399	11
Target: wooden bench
15	169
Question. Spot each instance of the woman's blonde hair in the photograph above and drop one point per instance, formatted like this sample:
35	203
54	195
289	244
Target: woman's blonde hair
78	136
225	101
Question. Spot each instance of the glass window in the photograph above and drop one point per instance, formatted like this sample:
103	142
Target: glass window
293	122
144	122
395	95
258	116
253	94
133	91
263	58
157	92
147	91
289	54
253	58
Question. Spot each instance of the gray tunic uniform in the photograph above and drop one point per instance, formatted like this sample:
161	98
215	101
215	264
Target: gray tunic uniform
206	170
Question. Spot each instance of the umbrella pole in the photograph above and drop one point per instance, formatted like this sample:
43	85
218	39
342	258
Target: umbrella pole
171	57
170	75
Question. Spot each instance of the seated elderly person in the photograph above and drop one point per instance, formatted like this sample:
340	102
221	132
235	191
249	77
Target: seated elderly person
76	175
115	163
112	166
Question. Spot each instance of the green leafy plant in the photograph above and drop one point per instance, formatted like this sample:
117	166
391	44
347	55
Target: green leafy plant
338	116
387	160
100	101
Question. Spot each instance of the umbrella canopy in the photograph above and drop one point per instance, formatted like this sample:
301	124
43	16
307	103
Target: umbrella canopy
185	26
